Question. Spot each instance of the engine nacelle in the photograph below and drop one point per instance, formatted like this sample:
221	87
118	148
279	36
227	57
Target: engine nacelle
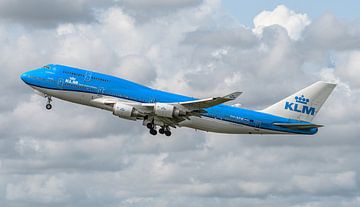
167	110
125	111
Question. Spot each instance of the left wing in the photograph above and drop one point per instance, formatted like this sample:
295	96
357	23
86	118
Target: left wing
191	105
163	114
209	102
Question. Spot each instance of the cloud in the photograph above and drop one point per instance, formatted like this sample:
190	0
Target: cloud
137	68
327	183
348	69
38	188
42	13
329	32
160	4
238	37
80	156
294	23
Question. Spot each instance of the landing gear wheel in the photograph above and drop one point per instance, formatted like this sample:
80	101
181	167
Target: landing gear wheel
48	106
167	133
161	131
149	125
153	132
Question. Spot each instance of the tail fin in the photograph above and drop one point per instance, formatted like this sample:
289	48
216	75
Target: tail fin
304	104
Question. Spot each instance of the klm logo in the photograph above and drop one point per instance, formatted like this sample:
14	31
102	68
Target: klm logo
300	105
72	80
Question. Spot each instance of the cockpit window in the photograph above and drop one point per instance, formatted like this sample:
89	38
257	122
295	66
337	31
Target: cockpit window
47	67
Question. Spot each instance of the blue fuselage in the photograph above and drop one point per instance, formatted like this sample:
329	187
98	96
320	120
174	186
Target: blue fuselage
68	79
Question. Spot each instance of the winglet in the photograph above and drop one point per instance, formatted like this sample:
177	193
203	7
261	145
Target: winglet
232	96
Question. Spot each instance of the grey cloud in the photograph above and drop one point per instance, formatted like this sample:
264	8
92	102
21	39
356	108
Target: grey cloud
145	11
236	37
137	68
42	13
329	32
159	4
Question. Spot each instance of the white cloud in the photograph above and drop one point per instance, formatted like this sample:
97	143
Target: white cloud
37	188
326	183
348	68
293	22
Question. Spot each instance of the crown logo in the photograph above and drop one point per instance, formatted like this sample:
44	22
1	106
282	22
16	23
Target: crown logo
302	99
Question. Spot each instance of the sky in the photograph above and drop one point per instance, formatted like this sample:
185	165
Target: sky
80	156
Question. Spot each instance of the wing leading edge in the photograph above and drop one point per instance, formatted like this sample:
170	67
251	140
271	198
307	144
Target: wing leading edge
209	102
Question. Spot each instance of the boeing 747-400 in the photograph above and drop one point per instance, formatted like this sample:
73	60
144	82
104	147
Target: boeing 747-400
160	111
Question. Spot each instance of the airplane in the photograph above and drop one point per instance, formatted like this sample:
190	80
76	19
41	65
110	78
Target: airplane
161	111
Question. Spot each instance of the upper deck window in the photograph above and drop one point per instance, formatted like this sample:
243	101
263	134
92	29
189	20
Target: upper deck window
74	74
99	79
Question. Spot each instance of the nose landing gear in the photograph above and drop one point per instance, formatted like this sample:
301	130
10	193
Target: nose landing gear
48	105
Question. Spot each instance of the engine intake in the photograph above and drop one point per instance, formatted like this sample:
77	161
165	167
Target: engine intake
125	111
167	110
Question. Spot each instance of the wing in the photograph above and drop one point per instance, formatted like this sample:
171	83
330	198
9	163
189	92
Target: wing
169	114
209	102
195	104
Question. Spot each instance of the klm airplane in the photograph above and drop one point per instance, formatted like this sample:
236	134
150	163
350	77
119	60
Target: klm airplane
160	111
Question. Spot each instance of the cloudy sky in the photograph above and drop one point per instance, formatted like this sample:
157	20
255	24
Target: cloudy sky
80	156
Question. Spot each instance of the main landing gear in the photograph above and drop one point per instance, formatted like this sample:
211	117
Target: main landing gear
163	130
48	105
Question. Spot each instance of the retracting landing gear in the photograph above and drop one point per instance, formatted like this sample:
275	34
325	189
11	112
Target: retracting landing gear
168	133
165	130
152	128
153	132
48	105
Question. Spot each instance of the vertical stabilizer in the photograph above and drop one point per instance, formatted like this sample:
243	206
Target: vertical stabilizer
304	104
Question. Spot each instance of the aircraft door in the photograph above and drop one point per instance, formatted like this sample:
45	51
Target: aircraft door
60	83
88	75
100	91
257	125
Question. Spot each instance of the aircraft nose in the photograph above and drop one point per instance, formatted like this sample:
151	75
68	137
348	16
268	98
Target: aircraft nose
24	77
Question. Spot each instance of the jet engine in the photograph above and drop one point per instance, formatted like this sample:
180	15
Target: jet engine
125	111
167	110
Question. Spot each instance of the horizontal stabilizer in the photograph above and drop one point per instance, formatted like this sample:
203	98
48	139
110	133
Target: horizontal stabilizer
298	125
